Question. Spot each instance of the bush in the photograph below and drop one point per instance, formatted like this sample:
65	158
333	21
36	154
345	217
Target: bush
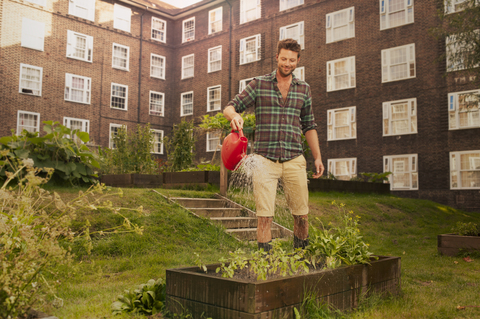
467	229
181	146
72	160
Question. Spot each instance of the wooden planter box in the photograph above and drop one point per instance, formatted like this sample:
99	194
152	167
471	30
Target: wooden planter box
328	185
201	178
132	180
451	244
224	298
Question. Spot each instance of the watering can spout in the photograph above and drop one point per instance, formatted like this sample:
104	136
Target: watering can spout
234	149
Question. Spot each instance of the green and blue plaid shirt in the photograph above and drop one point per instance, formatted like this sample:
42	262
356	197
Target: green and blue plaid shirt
278	125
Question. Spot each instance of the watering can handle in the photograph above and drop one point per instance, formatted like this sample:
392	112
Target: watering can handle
240	132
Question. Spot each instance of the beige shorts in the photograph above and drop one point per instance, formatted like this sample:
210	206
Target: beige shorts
294	177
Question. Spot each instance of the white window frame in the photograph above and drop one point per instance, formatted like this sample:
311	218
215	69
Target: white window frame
156	67
72	38
385	21
242	84
217	12
127	66
85	91
301	33
42	3
36	127
153	109
451	5
330	24
21	88
452	46
351	164
211	62
350	72
76	7
455	169
284	4
67	121
454	110
411	169
186	67
162	34
157	142
33	34
182	104
212	137
243	11
215	101
110	138
388	112
119	97
410	63
300	73
122	17
243	48
351	123
189	38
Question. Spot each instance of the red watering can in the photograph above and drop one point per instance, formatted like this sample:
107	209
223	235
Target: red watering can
234	148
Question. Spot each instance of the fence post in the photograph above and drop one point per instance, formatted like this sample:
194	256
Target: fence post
223	179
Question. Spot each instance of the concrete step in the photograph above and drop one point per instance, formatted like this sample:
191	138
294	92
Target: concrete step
250	233
217	212
236	222
200	202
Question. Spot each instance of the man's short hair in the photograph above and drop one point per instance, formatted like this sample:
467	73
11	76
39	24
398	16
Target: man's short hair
289	44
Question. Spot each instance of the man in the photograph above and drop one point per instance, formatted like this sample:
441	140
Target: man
283	110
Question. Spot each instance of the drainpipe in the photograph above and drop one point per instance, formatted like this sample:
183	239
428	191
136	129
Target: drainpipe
230	55
140	66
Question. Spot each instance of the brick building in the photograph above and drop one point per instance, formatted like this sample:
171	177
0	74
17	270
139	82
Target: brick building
381	100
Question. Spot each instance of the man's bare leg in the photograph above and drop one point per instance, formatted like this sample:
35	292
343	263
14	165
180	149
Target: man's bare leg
264	233
300	231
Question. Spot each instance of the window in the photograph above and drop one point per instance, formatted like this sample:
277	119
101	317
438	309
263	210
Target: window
215	59
187	66
465	170
33	34
213	141
157	66
215	18
294	31
82	8
287	4
249	10
398	63
79	46
114	128
394	13
343	168
30	79
157	101
119	98
452	6
77	88
243	83
342	124
400	117
39	2
214	98
120	57
159	30
460	51
29	121
340	25
122	17
157	142
463	110
341	74
77	124
186	103
188	30
300	73
250	49
404	171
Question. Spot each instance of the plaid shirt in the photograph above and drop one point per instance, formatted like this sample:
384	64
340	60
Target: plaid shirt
278	125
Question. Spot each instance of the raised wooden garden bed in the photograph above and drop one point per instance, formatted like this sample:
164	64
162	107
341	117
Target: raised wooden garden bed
216	297
328	185
132	180
452	245
200	178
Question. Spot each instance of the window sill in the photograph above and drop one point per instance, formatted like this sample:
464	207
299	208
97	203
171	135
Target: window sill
121	69
119	109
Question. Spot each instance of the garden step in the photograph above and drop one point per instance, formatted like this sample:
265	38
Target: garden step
217	212
236	222
200	202
251	233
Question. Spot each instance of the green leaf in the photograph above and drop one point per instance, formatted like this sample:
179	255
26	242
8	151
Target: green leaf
22	153
47	128
84	136
5	140
61	166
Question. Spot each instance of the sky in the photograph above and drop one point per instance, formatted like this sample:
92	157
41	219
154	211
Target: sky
180	3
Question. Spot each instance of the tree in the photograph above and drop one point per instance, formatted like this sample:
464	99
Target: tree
180	146
460	27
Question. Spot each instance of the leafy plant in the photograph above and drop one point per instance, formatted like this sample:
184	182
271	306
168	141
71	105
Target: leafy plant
467	229
180	146
71	160
376	177
147	299
202	167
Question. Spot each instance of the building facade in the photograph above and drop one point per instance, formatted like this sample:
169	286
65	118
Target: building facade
381	99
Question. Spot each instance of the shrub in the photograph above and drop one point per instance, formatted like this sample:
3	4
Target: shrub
467	229
180	146
147	299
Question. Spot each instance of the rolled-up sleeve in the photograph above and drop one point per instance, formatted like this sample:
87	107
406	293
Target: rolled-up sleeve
307	119
245	99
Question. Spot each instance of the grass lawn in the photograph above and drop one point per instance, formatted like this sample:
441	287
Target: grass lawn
432	285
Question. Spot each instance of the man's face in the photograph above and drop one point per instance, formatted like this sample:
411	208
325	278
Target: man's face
287	61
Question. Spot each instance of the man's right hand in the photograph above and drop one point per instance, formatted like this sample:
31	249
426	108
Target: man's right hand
237	123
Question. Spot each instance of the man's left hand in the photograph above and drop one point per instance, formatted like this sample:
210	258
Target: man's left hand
319	168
